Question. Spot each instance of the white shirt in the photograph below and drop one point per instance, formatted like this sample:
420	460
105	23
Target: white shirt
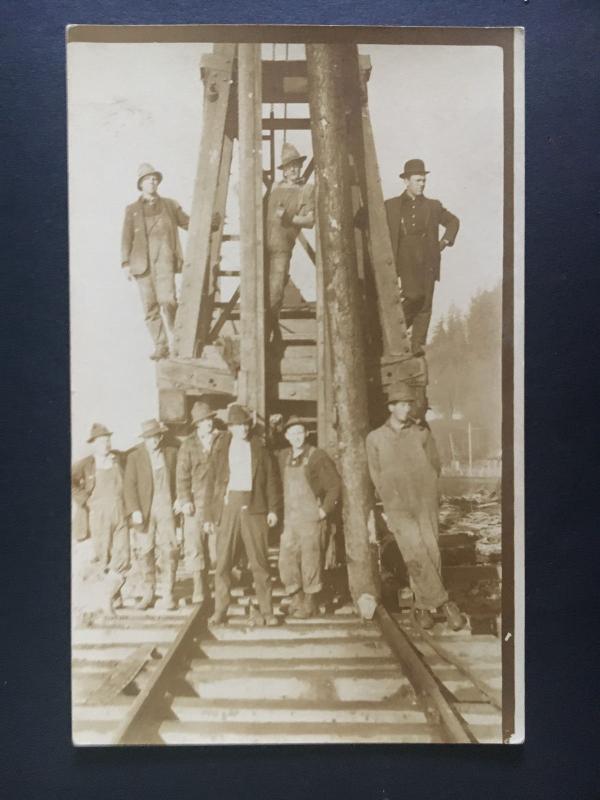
240	466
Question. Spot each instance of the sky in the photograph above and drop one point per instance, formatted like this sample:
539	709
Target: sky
134	103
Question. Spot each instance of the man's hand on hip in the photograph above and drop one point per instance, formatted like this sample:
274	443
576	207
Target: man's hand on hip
137	518
271	519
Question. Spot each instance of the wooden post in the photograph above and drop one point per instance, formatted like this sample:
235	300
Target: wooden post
252	375
342	297
217	70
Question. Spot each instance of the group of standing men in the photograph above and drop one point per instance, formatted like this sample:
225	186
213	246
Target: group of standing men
230	490
228	486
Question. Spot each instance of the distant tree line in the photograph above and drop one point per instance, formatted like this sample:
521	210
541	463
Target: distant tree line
465	378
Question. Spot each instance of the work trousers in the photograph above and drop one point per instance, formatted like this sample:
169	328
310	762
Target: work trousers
195	542
157	292
279	274
417	313
237	522
301	555
417	541
160	535
110	536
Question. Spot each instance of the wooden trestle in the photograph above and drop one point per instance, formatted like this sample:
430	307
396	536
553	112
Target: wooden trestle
220	346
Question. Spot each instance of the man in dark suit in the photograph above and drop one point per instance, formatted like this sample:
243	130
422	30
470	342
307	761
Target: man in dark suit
151	253
243	500
149	497
193	459
414	222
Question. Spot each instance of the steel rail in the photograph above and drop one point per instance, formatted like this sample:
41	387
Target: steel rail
131	729
423	680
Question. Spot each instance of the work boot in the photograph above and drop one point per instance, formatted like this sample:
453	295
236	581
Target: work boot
308	608
113	582
455	619
271	621
198	595
147	597
296	602
161	351
218	618
423	618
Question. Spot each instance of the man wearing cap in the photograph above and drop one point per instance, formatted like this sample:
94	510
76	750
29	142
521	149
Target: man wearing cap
414	222
192	466
97	485
311	491
151	253
242	500
404	467
291	207
149	499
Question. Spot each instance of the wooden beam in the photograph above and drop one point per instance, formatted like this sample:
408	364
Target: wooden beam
326	68
252	376
217	74
192	374
286	81
326	433
383	269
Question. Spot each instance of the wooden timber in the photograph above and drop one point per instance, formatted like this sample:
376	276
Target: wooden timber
217	73
252	376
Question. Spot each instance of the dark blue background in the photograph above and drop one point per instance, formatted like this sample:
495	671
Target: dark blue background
559	759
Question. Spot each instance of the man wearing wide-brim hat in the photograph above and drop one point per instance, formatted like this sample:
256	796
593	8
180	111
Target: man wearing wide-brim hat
242	501
404	467
291	207
192	466
150	495
414	222
311	492
97	487
151	253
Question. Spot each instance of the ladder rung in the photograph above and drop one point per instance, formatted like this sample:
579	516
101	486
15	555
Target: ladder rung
285	125
228	273
230	237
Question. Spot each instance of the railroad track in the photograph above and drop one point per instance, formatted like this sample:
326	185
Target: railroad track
167	678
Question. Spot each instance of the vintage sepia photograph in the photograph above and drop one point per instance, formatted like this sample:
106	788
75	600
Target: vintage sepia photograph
296	314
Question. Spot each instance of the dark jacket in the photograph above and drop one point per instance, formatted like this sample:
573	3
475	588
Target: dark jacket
134	242
436	215
266	483
321	475
139	480
192	469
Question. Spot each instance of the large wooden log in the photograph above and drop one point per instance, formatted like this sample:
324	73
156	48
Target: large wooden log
252	376
325	66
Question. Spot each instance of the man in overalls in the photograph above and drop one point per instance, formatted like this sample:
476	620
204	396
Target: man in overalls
404	467
149	503
192	466
151	253
97	483
311	491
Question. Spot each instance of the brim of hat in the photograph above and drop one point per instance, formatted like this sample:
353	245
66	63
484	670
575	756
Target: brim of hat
154	172
291	161
98	435
201	419
295	422
246	421
152	433
408	174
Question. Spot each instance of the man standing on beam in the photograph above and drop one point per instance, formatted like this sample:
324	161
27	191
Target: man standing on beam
291	207
151	253
414	222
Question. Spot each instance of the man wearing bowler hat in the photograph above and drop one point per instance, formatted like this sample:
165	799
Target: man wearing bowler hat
291	207
149	501
192	466
311	491
243	497
414	222
97	487
151	253
404	467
